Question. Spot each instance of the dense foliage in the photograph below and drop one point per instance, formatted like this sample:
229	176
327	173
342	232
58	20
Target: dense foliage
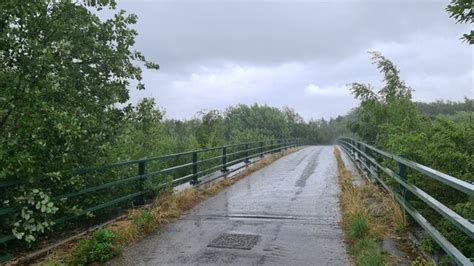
449	108
439	135
63	72
461	11
100	247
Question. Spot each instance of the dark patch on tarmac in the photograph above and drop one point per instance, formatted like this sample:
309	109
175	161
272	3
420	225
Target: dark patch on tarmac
234	240
309	169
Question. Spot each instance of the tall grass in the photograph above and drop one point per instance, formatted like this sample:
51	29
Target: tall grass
370	215
361	230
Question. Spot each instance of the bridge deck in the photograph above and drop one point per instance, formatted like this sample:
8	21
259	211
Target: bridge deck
291	206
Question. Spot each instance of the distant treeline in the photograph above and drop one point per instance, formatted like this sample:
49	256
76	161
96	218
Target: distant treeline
144	128
446	107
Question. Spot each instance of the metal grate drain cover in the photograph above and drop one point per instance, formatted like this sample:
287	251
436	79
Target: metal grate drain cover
238	241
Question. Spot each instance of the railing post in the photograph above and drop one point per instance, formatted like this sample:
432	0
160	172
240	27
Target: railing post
371	166
356	153
261	149
403	173
247	153
364	154
141	172
224	160
195	181
353	147
279	145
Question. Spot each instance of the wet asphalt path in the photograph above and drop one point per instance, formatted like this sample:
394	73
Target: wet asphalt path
290	205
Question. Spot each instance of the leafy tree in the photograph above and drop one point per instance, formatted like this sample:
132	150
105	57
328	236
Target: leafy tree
137	136
440	137
390	105
461	11
146	114
62	73
268	122
209	128
295	121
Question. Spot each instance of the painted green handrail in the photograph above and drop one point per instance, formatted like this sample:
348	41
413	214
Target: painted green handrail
362	153
193	167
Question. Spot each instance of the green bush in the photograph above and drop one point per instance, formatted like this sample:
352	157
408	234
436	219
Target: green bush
101	247
371	258
456	236
429	245
359	227
368	253
144	221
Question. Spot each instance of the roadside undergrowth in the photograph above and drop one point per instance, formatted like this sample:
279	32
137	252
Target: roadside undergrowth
105	243
368	217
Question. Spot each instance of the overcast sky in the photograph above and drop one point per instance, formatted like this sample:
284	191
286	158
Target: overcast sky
214	54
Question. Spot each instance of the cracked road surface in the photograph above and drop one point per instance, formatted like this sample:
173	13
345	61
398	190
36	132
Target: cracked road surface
291	206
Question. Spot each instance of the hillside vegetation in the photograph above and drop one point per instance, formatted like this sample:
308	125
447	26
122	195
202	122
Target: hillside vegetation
439	135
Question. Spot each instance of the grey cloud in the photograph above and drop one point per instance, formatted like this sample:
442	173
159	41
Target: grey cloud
177	33
217	53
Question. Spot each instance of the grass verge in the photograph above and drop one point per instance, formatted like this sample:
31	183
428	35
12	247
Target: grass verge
108	242
368	216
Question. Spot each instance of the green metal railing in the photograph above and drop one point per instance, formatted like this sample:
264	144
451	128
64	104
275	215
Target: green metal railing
365	156
125	181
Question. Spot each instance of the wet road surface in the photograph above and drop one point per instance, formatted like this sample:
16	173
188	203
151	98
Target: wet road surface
288	211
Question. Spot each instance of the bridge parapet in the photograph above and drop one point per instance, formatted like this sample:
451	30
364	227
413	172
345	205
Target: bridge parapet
366	157
122	184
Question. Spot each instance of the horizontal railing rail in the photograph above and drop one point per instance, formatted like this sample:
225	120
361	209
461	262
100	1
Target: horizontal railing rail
189	166
365	156
132	162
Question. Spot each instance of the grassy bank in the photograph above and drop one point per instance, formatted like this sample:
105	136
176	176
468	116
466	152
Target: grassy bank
368	217
106	243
